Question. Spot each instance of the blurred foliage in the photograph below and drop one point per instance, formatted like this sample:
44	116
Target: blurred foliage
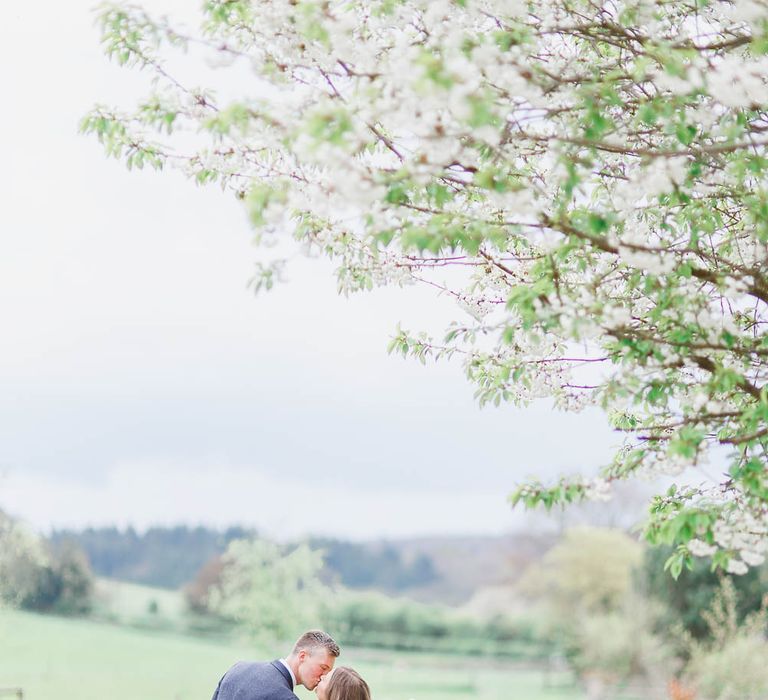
375	620
587	605
695	590
69	581
274	594
36	576
197	593
22	557
276	591
735	671
620	644
619	616
589	570
732	664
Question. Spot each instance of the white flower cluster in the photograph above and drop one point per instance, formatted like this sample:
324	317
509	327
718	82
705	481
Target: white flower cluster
735	82
739	530
748	11
660	176
677	85
598	489
699	548
745	532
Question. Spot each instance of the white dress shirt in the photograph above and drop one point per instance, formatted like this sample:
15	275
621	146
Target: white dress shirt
293	678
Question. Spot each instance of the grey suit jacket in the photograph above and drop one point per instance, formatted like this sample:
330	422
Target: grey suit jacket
251	680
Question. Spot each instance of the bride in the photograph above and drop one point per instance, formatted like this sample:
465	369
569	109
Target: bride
342	683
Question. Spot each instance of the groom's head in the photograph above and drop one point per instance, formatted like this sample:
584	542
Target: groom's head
312	657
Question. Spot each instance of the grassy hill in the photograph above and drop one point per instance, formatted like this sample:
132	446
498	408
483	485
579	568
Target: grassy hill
54	658
124	602
152	608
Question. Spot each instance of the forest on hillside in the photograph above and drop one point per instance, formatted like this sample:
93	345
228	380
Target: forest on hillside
170	557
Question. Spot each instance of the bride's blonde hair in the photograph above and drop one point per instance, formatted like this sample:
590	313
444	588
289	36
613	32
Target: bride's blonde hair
346	684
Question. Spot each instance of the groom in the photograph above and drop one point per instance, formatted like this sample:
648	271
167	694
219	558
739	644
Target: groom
312	657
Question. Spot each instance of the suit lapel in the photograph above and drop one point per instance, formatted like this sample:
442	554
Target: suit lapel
284	673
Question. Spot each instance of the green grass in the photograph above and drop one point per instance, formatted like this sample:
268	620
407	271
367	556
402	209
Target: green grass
129	603
63	659
55	658
146	607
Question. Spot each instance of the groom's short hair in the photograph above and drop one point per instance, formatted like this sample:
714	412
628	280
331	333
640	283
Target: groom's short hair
314	639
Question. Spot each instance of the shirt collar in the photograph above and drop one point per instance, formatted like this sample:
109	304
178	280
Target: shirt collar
285	663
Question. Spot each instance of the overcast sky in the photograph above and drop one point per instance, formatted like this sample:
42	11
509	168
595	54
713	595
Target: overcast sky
144	383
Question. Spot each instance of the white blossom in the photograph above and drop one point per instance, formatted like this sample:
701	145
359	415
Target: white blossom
748	10
738	83
615	316
736	566
598	490
752	558
699	548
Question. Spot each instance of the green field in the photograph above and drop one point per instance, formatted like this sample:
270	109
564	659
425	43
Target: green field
54	658
130	603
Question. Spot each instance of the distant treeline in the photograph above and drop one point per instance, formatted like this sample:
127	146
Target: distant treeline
379	566
167	557
173	556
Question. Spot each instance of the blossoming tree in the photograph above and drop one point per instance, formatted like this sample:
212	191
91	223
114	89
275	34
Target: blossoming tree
587	178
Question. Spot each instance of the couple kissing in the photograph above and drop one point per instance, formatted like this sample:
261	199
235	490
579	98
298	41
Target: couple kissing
310	663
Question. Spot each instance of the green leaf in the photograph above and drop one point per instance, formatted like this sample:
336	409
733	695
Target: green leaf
685	133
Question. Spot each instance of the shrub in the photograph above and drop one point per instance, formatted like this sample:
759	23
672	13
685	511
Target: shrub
589	570
197	593
734	664
376	620
738	670
34	577
619	645
695	589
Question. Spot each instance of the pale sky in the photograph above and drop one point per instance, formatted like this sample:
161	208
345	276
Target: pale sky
143	382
